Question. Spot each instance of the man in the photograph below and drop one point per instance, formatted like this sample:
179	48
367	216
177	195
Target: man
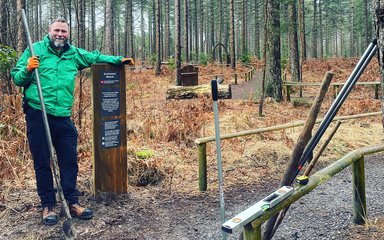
58	63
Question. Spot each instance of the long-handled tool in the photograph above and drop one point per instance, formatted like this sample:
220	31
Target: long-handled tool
215	94
338	102
68	228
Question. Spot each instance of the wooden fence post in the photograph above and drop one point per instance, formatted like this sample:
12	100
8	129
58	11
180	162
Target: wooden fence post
250	233
110	169
288	93
359	198
202	166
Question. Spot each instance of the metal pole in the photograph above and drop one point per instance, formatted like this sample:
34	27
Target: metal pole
347	88
218	153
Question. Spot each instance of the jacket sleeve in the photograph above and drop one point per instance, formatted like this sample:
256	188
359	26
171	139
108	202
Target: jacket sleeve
19	73
86	59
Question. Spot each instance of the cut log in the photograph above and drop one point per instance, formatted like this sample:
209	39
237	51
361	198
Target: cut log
189	92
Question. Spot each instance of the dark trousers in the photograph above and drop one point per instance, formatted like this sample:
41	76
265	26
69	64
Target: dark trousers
64	139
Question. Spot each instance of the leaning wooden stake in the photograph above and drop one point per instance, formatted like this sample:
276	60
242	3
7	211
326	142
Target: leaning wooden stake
298	149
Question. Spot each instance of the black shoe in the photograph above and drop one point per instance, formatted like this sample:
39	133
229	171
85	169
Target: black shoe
80	212
50	216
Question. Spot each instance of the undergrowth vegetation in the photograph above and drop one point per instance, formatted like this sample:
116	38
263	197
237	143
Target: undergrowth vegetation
169	128
14	152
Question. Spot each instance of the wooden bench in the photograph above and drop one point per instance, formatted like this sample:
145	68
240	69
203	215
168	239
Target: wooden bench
336	86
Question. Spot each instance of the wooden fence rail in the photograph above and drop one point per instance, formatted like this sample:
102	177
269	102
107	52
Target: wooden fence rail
202	142
248	75
336	85
252	231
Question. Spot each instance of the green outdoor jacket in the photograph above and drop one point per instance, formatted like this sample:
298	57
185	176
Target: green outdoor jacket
57	73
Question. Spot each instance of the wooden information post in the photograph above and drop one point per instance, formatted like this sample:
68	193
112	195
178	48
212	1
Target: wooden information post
109	129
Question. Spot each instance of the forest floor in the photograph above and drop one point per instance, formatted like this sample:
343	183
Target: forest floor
172	207
150	213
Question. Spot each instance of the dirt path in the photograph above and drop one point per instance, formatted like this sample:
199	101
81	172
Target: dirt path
151	213
248	90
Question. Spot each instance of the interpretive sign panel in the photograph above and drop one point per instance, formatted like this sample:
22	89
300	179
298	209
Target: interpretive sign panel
110	136
110	101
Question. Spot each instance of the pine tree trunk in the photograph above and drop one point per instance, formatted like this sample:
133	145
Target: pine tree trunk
262	95
232	33
368	26
166	30
93	25
128	29
212	29
244	29
221	30
69	7
293	42
109	37
142	32
154	28
257	30
303	52
186	32
196	29
315	28
3	22
21	43
36	20
201	27
177	42
273	82
80	19
158	43
150	33
226	24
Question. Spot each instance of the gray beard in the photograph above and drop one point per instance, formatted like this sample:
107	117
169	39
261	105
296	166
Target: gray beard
57	43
